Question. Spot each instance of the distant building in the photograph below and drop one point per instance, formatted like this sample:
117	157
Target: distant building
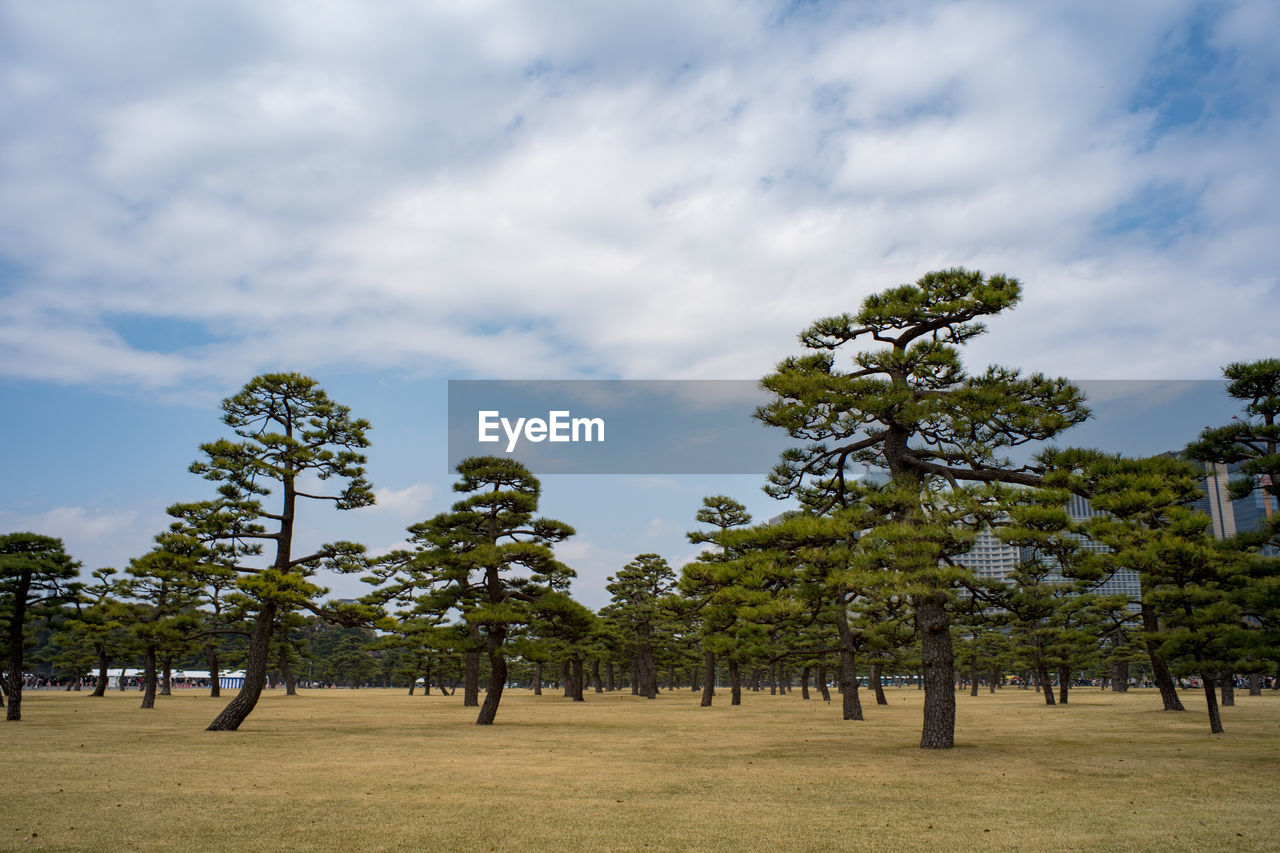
1231	517
991	559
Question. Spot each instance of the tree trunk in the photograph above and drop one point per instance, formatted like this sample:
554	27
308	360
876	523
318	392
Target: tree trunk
822	682
578	679
215	671
1044	683
939	727
17	616
286	671
708	678
471	684
852	705
995	680
149	677
1255	684
848	668
735	683
773	678
1211	699
973	674
1120	676
595	676
537	678
255	673
100	689
120	687
166	677
1159	669
877	684
646	671
497	674
1227	684
1064	683
804	683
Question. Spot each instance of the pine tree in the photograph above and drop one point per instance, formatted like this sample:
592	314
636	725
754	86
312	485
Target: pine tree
289	433
910	407
638	591
489	558
35	573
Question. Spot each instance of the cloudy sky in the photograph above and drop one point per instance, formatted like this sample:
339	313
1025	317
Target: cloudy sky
390	195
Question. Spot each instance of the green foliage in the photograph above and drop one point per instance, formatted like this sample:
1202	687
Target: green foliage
489	559
289	433
35	577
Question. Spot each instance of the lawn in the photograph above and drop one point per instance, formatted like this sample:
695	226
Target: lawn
381	770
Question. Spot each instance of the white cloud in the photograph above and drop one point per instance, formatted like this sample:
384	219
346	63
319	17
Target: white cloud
412	501
95	536
667	191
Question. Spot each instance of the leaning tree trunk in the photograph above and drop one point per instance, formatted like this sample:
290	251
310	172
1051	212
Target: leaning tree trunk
938	658
120	686
877	683
100	689
1211	699
822	682
1227	684
1159	669
735	683
708	678
149	677
255	673
1043	682
497	674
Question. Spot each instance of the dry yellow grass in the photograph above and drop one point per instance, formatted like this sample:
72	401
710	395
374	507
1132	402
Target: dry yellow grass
380	770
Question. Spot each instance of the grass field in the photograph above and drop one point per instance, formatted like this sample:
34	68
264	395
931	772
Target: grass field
381	770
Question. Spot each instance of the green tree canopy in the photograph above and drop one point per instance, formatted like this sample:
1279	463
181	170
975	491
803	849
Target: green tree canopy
907	404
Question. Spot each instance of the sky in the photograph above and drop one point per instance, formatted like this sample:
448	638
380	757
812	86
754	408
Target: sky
389	196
